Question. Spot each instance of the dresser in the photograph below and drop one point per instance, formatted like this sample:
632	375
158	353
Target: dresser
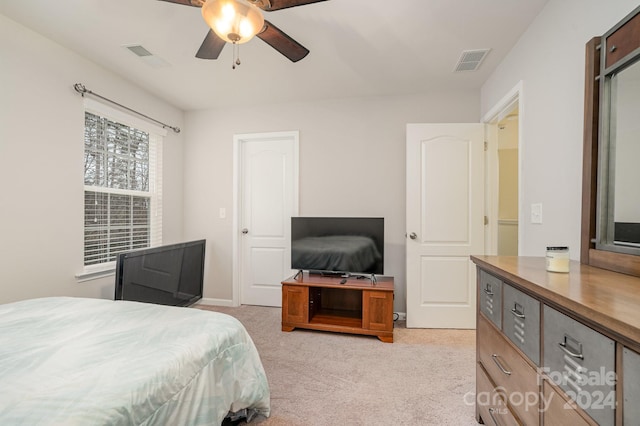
556	348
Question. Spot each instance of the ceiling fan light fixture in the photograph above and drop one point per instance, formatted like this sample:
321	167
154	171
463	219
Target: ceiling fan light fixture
234	21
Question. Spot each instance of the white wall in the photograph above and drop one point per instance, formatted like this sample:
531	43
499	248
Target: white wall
352	163
549	59
41	157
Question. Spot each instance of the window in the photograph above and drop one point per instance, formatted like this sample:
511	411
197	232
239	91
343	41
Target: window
122	188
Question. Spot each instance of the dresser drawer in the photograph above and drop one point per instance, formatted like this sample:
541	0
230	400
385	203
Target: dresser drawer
509	371
490	289
581	361
489	401
557	410
631	386
521	321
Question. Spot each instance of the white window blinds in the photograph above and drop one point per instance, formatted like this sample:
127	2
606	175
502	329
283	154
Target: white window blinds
122	188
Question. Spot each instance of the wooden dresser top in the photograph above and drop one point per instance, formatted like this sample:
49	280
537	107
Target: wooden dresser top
605	300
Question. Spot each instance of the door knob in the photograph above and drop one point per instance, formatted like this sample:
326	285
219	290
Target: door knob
413	236
245	231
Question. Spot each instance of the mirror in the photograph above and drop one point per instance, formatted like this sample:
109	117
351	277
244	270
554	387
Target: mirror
611	158
619	163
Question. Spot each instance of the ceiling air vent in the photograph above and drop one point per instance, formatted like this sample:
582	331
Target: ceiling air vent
139	50
147	57
470	60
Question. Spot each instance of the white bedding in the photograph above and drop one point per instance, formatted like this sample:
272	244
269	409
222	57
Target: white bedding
73	361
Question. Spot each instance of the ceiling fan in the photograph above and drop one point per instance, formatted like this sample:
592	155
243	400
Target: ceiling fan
237	21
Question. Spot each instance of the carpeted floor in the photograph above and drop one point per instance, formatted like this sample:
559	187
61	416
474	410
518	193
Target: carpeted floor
426	377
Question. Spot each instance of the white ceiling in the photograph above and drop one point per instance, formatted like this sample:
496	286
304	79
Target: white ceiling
358	47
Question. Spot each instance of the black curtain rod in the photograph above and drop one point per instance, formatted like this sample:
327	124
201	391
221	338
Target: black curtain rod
79	87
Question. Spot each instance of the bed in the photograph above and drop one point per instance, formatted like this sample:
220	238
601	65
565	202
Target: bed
74	361
347	253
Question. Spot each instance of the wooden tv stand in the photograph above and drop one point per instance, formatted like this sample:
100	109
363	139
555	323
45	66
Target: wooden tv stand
358	306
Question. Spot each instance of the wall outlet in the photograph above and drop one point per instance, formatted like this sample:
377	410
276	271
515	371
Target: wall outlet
536	213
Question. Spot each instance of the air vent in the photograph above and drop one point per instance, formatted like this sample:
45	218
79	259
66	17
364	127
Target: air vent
470	60
139	50
147	57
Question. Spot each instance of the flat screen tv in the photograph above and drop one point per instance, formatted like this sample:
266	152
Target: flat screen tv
338	245
166	275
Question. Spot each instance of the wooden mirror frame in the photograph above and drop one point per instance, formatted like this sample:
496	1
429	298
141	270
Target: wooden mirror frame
625	36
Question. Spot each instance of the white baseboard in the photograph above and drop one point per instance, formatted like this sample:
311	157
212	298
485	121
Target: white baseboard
215	302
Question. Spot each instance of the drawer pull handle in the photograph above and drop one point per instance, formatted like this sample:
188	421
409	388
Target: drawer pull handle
491	411
499	364
563	346
488	290
516	313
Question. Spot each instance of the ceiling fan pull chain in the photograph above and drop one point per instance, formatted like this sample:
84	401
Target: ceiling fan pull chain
236	55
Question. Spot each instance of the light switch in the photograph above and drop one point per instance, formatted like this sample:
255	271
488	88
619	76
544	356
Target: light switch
222	213
536	213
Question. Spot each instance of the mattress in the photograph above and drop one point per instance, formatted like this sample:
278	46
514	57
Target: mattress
73	361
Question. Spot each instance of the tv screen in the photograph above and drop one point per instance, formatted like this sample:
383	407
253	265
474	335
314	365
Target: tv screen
347	245
165	275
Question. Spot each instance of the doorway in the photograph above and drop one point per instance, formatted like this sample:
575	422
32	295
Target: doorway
444	205
265	198
508	184
503	182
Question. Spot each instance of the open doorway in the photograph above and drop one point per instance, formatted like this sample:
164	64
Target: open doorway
503	182
508	178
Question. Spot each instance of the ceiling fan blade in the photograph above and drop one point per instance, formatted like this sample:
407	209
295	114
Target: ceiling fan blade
194	3
284	44
211	46
270	5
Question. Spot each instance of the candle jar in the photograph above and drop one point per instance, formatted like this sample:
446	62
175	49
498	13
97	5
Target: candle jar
558	259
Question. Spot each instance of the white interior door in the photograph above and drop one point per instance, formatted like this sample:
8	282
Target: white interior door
269	197
445	222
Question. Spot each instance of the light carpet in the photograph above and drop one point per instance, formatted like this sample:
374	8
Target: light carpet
426	377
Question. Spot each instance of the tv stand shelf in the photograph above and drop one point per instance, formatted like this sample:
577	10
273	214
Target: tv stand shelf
318	302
